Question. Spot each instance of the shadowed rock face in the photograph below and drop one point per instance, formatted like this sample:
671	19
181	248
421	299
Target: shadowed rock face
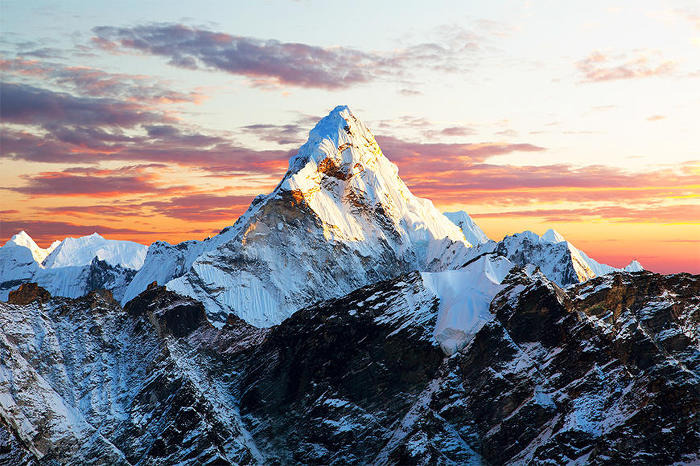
170	313
603	373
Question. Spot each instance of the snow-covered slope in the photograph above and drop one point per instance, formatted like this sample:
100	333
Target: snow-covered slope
465	297
71	267
18	262
474	234
559	260
341	218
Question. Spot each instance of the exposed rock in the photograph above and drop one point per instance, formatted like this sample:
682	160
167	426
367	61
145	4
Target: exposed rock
28	293
170	313
605	372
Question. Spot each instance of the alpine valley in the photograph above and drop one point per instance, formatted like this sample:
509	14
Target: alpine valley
343	320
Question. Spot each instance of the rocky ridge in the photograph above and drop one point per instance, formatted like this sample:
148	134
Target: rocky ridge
605	372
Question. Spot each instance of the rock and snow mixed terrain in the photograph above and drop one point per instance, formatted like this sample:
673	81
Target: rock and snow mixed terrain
72	267
558	259
427	343
605	372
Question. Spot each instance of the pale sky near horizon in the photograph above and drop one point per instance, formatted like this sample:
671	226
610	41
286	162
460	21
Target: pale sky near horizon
154	120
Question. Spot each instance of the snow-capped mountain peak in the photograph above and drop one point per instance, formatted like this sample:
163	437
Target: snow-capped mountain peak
22	239
552	236
341	172
340	218
634	266
81	251
558	259
331	143
474	234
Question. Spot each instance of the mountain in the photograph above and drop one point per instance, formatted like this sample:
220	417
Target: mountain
559	260
71	267
471	230
81	251
342	320
22	239
19	261
605	372
339	219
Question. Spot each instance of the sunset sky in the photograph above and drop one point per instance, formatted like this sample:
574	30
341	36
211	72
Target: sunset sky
162	120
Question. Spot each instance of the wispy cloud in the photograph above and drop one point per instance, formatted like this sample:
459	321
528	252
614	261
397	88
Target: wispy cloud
26	104
202	207
87	81
94	183
684	213
600	66
45	231
271	61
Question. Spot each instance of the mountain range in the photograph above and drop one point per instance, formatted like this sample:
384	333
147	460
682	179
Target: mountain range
342	319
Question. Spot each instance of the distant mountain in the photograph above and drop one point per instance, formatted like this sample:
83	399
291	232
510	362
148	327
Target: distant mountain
71	267
81	251
474	234
341	218
22	239
559	260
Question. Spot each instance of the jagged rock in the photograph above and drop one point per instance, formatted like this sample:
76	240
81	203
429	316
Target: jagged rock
170	313
28	293
83	382
542	382
605	372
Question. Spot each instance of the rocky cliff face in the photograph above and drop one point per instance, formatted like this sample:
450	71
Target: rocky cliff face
605	372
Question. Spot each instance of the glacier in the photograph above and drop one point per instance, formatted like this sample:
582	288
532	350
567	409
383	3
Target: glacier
465	297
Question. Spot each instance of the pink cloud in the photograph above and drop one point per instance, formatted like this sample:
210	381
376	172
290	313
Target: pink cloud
598	66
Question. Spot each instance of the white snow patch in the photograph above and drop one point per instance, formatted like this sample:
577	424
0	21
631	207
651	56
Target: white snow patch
465	297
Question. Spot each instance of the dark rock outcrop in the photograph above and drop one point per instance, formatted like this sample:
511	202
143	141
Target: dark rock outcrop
170	313
28	293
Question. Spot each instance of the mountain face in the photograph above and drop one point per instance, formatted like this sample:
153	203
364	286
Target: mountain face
605	372
72	267
341	218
